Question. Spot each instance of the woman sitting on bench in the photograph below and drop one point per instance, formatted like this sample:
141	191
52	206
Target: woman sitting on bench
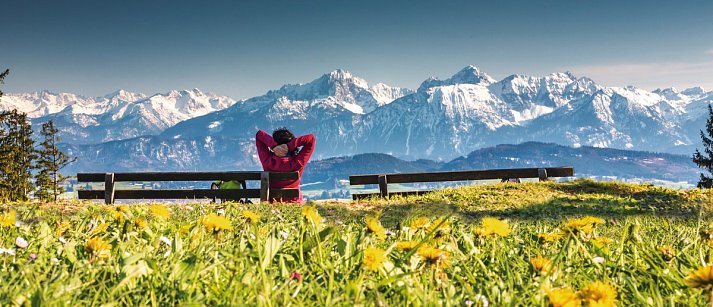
282	152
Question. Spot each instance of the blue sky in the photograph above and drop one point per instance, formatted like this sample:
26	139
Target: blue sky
244	48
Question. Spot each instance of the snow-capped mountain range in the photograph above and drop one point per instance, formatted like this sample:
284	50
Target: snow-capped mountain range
116	116
441	120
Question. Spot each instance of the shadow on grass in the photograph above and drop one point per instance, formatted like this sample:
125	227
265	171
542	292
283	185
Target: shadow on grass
537	201
391	215
562	208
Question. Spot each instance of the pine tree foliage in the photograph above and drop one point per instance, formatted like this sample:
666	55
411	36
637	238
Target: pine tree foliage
50	161
2	78
17	156
705	160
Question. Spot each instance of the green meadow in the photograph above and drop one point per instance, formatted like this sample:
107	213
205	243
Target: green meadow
579	243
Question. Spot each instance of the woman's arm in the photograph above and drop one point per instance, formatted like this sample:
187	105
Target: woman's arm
264	142
307	143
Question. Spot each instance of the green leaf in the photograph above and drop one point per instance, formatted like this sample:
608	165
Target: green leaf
272	246
131	272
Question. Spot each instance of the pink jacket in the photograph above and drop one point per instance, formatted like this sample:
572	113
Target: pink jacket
272	163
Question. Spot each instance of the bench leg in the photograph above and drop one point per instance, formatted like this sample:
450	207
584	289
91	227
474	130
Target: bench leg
383	186
542	174
264	186
109	188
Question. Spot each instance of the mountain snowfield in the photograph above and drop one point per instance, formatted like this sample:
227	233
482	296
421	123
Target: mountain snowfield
116	116
441	120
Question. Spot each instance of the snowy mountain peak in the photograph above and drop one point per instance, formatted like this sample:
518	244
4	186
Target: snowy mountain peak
670	93
694	91
124	95
340	74
470	75
570	74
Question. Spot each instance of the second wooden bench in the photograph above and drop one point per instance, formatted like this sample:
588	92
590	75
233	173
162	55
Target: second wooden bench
503	174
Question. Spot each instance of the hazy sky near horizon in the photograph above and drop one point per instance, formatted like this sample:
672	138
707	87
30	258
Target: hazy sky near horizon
244	48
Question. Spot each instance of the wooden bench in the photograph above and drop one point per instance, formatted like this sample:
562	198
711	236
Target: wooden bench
109	194
503	174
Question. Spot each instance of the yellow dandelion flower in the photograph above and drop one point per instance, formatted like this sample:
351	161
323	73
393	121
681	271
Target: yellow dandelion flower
667	253
584	224
122	208
160	211
406	245
140	223
250	216
98	248
598	294
100	228
492	226
263	231
550	237
541	265
312	216
373	225
61	227
419	223
185	228
8	219
215	223
433	255
563	297
701	278
374	258
602	241
118	216
195	238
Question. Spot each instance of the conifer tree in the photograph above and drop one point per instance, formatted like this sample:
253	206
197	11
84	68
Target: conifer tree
705	159
17	156
2	78
50	161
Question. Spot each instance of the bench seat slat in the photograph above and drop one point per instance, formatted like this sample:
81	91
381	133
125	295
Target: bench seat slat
462	175
188	194
185	176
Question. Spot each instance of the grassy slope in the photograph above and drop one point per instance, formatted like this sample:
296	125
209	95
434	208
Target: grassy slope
228	268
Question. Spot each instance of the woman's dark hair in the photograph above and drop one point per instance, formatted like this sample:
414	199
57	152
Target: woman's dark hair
282	135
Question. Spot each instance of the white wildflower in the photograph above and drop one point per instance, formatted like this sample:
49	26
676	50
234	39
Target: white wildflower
21	242
284	234
62	240
165	240
598	260
93	223
483	299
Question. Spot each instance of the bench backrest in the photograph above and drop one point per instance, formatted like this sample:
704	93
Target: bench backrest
503	174
109	194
